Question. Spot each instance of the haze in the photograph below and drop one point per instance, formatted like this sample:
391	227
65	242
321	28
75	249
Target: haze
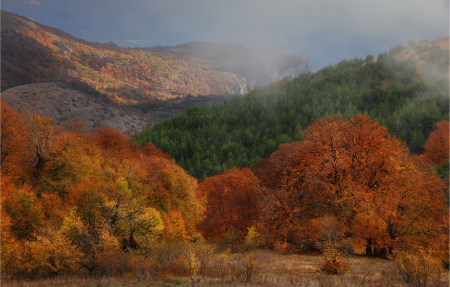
327	31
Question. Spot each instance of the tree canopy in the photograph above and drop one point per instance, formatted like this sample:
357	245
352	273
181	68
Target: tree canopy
208	140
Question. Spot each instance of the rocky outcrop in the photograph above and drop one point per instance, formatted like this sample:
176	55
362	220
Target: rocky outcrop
64	47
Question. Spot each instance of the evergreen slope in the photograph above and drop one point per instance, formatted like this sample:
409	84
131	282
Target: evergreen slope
205	141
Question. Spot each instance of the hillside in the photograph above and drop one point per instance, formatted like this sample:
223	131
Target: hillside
65	103
33	53
206	141
258	66
429	57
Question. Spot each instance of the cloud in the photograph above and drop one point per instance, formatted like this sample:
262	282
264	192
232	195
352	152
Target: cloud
32	2
325	30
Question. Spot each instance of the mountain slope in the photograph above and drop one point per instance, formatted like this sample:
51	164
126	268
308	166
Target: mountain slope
35	53
205	141
429	57
258	66
65	104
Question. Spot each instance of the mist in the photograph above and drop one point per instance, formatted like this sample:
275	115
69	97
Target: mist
326	31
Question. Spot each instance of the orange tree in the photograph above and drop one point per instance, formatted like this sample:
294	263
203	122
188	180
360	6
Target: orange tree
356	171
230	203
437	148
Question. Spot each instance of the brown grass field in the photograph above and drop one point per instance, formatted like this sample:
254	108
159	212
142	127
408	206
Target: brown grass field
272	269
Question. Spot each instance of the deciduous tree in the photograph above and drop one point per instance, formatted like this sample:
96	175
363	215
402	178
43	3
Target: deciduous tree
356	171
38	139
437	146
230	202
12	136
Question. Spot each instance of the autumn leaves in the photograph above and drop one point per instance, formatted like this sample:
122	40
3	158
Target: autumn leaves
93	197
352	170
74	201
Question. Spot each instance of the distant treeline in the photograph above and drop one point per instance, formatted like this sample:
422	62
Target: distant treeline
208	140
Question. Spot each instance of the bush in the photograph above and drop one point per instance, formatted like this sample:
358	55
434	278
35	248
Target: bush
248	267
335	262
418	268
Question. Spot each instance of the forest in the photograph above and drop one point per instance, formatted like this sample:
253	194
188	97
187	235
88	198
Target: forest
209	140
346	164
94	203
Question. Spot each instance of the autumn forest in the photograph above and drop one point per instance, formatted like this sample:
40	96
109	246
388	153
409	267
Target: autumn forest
74	201
348	163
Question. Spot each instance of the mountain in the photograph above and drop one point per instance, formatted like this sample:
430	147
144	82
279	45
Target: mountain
258	66
65	103
406	89
142	78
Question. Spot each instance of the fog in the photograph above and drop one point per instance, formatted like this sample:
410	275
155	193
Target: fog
327	31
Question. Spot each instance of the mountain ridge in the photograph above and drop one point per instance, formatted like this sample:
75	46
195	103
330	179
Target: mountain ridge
155	73
153	80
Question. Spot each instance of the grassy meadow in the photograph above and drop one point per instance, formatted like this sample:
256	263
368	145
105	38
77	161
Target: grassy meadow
256	268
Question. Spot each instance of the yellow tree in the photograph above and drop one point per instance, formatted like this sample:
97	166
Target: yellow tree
38	139
10	246
51	254
97	247
23	209
170	188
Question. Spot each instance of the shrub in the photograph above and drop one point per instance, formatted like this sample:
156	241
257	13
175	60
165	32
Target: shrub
418	268
248	267
252	238
335	262
191	263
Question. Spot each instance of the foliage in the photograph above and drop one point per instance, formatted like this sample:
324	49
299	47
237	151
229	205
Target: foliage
334	260
252	237
12	136
230	204
331	244
90	203
356	171
23	210
418	267
100	205
50	254
248	267
437	148
209	140
192	263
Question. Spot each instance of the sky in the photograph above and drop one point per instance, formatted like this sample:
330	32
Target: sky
327	31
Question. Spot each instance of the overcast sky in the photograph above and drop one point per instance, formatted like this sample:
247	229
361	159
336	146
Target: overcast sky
325	30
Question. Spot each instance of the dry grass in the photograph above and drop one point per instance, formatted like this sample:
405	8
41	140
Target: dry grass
275	270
